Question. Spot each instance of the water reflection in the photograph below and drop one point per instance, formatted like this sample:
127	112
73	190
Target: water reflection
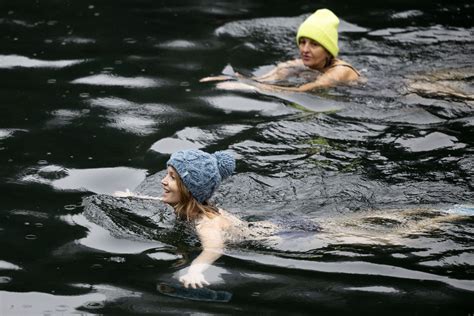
423	36
197	138
429	142
8	266
385	168
101	239
111	80
238	104
43	303
99	180
11	61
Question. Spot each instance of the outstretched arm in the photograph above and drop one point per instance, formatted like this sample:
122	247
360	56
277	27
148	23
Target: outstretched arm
216	78
212	241
279	72
332	77
128	193
318	84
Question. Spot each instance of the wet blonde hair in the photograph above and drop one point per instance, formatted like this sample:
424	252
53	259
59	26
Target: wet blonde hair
188	208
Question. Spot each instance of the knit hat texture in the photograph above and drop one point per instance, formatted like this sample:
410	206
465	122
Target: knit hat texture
321	27
202	172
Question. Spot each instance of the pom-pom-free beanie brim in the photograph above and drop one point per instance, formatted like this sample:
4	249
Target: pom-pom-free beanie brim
321	27
202	172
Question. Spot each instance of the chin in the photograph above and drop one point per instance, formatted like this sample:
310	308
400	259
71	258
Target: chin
169	201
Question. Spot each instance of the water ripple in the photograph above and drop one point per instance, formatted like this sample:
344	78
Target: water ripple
8	266
12	61
111	80
428	143
424	36
195	138
42	303
239	104
100	180
358	268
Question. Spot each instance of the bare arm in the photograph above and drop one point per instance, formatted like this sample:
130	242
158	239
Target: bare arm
212	241
216	78
210	233
330	78
280	72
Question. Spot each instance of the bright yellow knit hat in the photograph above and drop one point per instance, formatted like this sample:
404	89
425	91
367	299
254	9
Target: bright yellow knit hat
321	27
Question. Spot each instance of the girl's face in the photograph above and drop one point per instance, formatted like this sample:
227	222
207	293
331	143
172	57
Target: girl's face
313	55
171	192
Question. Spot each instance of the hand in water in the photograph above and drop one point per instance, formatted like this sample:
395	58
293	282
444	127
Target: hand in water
193	279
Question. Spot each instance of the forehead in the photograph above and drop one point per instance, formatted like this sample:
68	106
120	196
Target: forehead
308	39
170	169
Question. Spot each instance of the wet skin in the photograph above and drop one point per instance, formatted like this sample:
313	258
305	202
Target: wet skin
171	194
312	53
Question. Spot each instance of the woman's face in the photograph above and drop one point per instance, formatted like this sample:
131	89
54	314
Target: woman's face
313	55
171	193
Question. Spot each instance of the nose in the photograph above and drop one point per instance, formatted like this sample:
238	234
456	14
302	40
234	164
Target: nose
304	46
164	181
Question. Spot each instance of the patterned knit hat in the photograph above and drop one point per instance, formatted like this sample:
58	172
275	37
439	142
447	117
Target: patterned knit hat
201	172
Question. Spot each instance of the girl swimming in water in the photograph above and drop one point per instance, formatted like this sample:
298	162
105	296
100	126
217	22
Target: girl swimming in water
191	179
192	176
317	40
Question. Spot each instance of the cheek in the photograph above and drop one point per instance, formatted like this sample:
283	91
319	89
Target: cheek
174	188
176	197
318	52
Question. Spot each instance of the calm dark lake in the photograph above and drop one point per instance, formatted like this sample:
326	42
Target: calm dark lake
95	96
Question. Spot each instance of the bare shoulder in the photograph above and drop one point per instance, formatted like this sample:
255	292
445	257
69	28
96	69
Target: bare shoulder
342	71
291	63
218	222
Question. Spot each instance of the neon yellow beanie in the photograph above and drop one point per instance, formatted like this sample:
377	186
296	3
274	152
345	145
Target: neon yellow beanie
321	27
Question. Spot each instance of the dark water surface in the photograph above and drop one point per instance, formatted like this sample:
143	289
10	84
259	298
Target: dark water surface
96	95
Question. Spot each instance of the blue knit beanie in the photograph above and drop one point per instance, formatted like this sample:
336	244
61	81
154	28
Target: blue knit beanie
201	172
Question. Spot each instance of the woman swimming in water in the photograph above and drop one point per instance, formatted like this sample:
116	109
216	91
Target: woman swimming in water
191	179
317	40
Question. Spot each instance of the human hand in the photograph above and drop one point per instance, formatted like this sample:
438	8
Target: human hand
193	279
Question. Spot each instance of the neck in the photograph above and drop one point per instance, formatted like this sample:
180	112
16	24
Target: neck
329	62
